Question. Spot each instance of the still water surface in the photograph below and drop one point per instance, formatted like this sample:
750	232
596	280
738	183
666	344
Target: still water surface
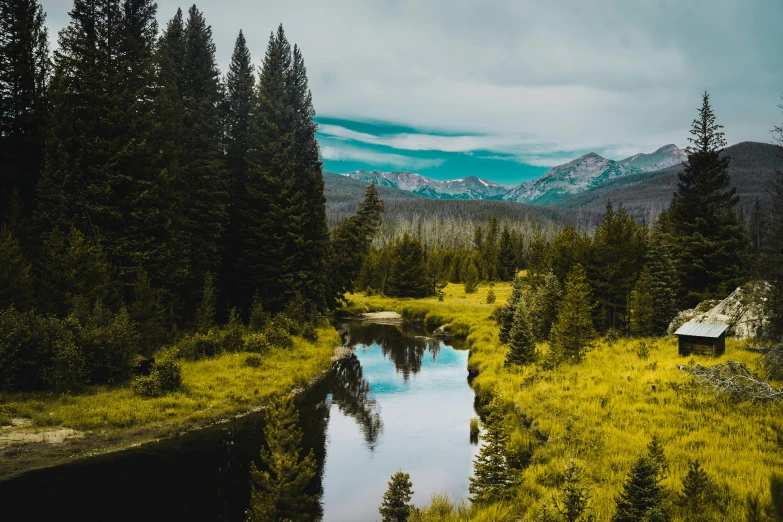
401	401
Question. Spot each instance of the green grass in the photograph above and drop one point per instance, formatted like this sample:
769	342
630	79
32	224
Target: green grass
211	389
603	411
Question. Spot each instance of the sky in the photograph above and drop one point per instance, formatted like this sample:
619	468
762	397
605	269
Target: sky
507	89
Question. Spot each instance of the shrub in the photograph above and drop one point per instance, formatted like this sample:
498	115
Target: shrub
214	342
256	343
253	360
166	376
198	346
146	386
491	296
309	333
277	335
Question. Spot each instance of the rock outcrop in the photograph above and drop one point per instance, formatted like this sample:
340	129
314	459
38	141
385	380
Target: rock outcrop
743	311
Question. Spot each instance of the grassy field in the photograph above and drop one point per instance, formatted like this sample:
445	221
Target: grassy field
603	411
114	417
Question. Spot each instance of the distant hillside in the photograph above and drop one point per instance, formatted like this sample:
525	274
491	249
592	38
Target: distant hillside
444	222
645	195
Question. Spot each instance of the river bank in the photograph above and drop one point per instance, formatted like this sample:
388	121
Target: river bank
602	412
49	429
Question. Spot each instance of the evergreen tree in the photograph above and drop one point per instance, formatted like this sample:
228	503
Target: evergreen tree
774	251
408	273
758	227
493	479
286	245
643	497
313	245
240	106
573	505
665	283
568	249
204	179
351	241
710	241
205	315
655	452
538	258
507	266
547	299
506	318
618	248
149	312
16	286
697	498
396	505
24	70
491	297
72	267
100	174
471	278
642	312
522	342
573	333
278	489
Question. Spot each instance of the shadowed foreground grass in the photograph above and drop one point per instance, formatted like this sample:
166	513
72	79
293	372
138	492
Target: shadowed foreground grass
602	412
211	389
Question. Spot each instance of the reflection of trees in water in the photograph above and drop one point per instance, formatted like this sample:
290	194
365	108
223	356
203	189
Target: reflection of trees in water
350	391
400	344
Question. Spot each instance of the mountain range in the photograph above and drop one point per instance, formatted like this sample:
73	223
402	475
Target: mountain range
577	176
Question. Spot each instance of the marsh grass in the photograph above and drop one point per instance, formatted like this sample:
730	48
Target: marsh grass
603	411
211	389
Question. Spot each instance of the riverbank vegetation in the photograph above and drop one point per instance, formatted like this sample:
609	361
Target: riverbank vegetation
602	411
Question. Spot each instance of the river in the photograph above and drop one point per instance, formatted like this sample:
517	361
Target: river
400	401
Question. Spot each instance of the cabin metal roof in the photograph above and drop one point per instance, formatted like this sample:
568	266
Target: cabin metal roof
702	330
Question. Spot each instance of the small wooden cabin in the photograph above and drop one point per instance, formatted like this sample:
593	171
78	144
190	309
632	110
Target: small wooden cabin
702	339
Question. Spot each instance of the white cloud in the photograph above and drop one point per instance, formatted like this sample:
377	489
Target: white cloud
347	153
622	75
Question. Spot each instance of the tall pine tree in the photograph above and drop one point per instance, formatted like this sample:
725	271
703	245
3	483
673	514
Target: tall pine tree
351	241
24	70
710	240
240	102
573	333
775	248
203	171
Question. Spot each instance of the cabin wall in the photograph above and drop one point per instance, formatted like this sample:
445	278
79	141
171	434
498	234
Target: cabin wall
689	345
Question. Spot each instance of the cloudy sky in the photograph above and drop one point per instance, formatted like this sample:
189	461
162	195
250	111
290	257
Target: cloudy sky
506	89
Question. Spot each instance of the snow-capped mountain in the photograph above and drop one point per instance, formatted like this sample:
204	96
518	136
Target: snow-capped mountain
591	170
579	175
471	187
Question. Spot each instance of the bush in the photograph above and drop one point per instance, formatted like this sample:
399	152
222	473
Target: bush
256	343
214	342
277	335
199	346
146	386
253	360
166	376
309	333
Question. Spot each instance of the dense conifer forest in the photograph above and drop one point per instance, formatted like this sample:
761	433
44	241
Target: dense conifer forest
157	212
138	181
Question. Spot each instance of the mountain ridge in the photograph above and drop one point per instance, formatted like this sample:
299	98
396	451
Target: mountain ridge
560	182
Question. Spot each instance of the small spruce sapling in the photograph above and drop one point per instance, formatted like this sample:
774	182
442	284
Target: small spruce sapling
396	506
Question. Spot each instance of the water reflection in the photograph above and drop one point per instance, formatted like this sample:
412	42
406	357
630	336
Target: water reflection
398	401
350	391
399	343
